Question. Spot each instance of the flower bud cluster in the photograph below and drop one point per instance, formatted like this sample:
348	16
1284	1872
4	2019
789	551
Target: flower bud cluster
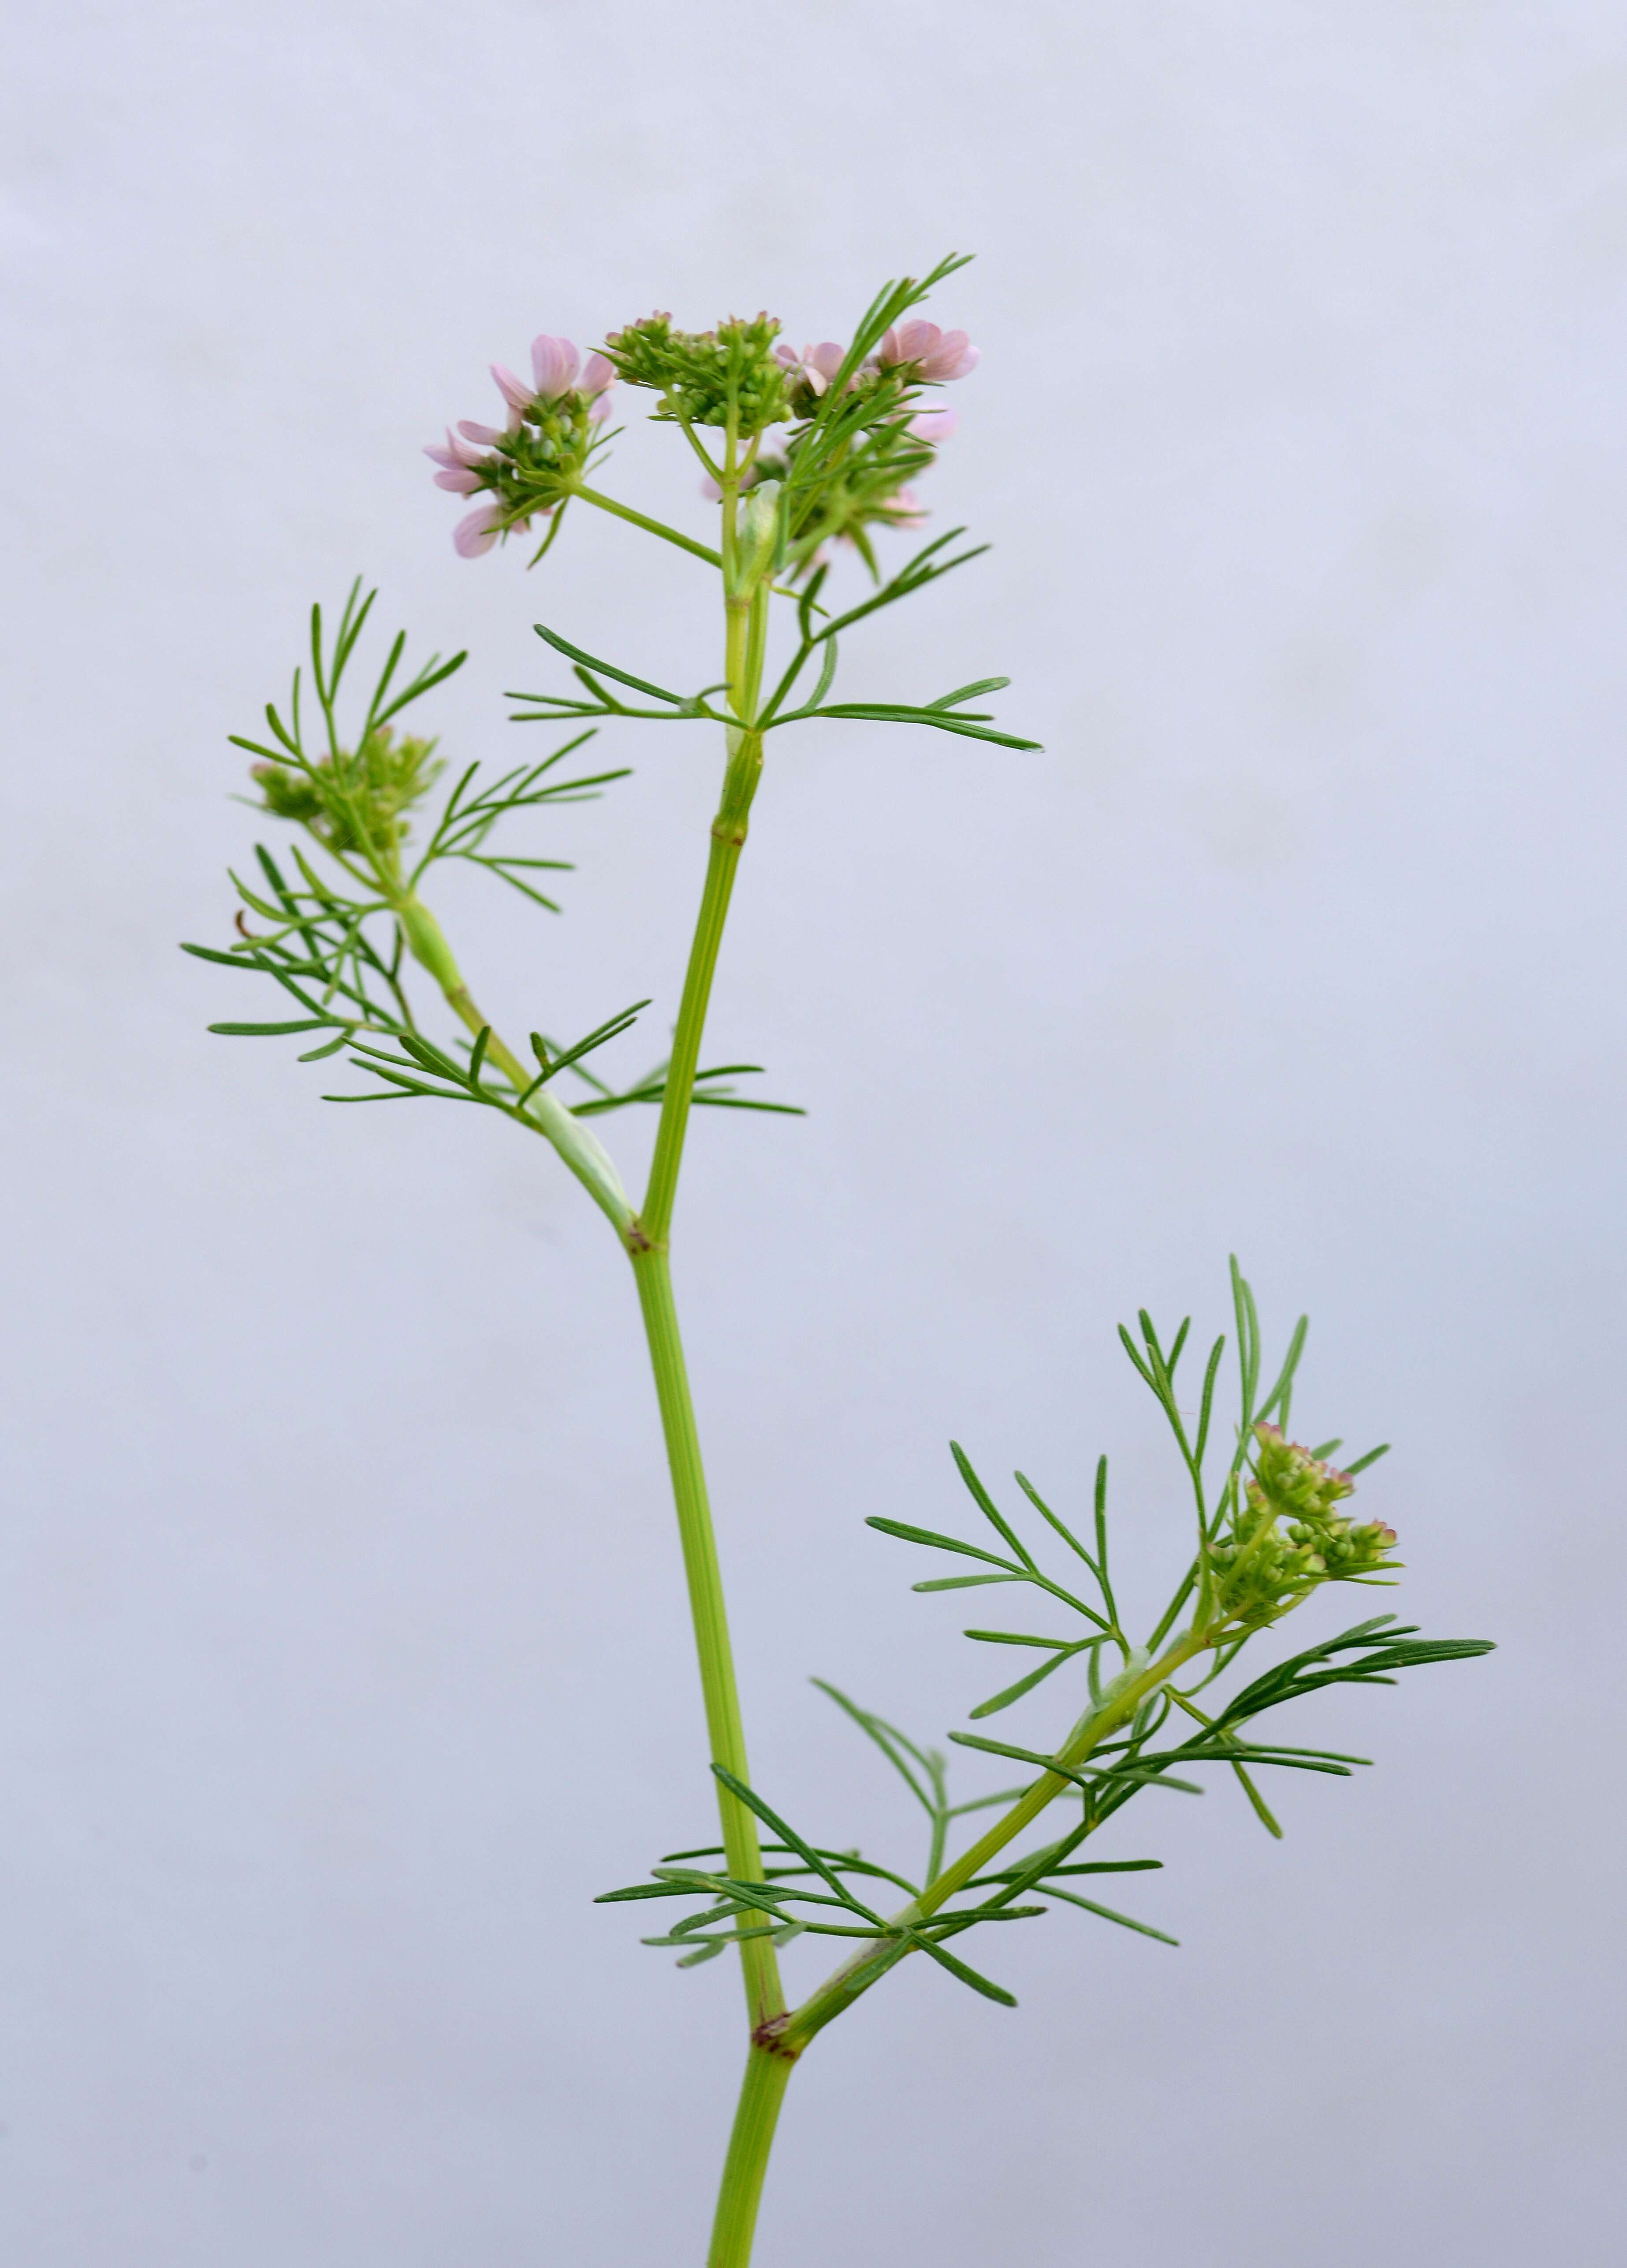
1289	1535
528	465
354	802
701	374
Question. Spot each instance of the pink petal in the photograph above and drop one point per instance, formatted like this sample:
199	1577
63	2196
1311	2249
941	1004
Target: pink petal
513	393
460	480
554	361
826	358
477	531
597	374
911	341
471	432
934	425
443	457
600	408
787	357
953	355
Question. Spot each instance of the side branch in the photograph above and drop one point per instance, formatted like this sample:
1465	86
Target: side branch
856	1975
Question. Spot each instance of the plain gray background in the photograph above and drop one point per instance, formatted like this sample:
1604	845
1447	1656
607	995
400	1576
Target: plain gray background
343	1658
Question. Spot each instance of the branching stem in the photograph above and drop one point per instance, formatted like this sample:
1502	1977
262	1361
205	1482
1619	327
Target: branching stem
581	1149
650	526
856	1975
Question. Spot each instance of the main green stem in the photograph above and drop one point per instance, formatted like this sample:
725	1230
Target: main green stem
724	1734
644	1237
750	2141
768	2068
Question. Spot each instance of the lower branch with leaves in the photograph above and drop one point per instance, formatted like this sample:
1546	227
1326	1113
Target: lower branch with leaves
343	926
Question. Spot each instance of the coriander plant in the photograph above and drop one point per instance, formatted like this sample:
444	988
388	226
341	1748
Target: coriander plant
807	458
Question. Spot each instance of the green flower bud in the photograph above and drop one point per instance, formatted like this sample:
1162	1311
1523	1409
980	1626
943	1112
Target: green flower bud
355	802
1289	1535
1292	1481
701	374
288	793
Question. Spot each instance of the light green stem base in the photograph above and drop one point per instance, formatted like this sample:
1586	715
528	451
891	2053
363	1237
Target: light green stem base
763	2092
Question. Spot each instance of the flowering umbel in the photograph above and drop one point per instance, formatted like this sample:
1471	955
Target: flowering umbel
1288	1535
858	432
530	465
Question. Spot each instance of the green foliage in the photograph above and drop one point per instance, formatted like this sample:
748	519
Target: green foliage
340	926
338	943
1270	1488
946	714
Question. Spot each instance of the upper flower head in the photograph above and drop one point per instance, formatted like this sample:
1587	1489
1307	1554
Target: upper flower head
935	355
533	461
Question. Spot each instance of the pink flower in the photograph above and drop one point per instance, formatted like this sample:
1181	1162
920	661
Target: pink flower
478	532
480	529
462	466
816	366
598	378
555	362
517	396
937	355
934	425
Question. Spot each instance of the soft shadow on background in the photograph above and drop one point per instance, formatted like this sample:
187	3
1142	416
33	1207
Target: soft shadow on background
343	1658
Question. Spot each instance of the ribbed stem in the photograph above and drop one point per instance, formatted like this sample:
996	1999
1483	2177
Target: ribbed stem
724	1732
762	2093
728	836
